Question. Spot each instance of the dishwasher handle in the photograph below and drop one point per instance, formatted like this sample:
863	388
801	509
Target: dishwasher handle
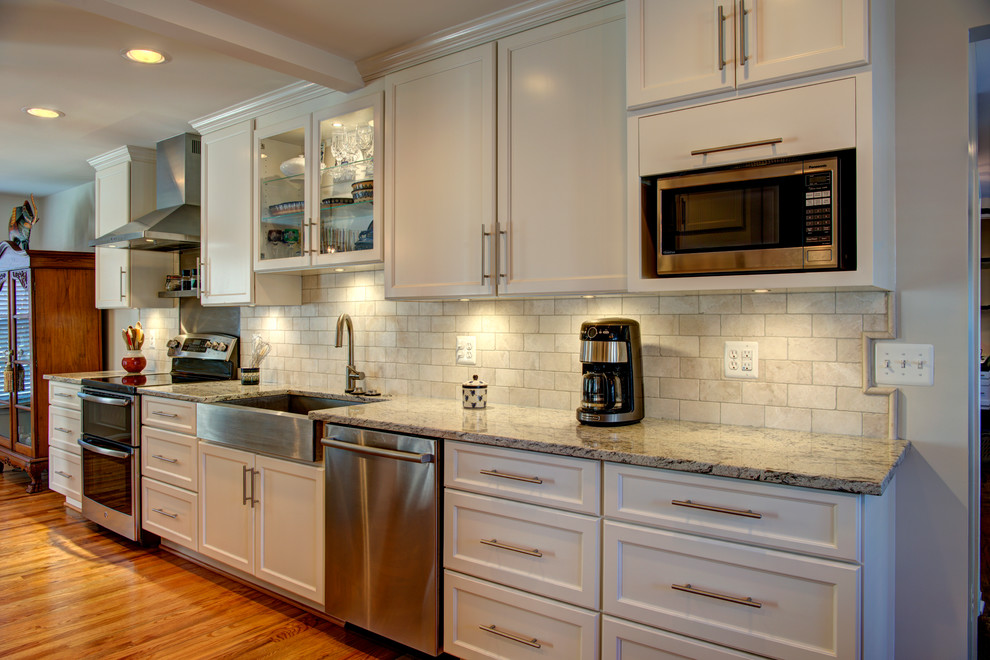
377	451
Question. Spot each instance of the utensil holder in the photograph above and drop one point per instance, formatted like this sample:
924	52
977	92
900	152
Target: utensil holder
133	362
250	375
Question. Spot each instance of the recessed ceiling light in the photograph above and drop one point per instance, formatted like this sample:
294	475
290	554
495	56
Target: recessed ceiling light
44	113
145	55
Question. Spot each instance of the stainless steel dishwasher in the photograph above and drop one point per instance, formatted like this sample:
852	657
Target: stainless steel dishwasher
382	550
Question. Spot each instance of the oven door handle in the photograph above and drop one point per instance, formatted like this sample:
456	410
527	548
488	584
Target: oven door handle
103	399
102	450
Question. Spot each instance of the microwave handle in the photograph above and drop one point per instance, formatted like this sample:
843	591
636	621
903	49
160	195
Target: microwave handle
741	145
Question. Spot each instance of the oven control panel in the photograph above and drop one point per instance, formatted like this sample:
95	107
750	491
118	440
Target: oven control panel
202	346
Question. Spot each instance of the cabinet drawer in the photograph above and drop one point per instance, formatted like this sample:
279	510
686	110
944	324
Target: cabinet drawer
170	512
64	394
622	640
169	414
64	428
782	605
65	474
800	519
170	457
558	481
544	551
807	119
483	620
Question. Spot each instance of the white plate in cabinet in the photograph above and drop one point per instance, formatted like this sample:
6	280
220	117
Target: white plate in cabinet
558	481
64	394
170	512
170	457
808	119
65	475
623	640
64	428
783	517
483	620
544	551
771	603
170	414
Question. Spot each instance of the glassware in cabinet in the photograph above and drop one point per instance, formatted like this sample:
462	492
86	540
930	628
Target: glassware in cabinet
282	213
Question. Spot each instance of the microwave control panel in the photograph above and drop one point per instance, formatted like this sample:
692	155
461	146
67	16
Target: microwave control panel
818	205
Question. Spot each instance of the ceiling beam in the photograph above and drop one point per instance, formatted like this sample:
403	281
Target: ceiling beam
189	21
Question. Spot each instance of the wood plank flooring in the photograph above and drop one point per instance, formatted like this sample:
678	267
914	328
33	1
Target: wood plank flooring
69	589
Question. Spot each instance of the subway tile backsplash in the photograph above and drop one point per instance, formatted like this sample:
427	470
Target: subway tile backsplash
810	350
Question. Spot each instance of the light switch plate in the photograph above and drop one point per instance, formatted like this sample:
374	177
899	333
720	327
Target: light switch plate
903	364
742	359
467	350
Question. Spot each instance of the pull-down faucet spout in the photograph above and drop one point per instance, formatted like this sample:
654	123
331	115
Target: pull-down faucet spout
351	375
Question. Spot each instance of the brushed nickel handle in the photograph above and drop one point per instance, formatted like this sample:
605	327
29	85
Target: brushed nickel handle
122	294
508	475
720	17
484	235
61	430
63	474
743	58
244	493
749	513
253	500
62	395
531	641
535	552
504	235
741	145
165	458
748	602
159	413
166	513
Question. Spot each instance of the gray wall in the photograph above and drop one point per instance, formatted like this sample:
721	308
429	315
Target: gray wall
67	219
932	133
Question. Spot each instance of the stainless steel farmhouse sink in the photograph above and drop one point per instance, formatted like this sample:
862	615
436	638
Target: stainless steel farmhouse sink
276	425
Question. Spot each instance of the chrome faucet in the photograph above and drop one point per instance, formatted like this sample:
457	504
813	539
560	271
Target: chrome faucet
352	375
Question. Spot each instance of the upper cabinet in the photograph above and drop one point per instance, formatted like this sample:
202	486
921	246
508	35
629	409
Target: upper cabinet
316	183
690	48
125	190
553	97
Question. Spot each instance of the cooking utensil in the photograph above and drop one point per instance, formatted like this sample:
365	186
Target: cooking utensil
261	350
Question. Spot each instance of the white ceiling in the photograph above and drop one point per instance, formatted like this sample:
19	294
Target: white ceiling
65	54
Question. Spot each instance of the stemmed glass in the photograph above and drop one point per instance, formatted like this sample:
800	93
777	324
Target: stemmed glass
366	143
339	150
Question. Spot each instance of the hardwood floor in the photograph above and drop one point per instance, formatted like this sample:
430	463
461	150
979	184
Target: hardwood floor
69	589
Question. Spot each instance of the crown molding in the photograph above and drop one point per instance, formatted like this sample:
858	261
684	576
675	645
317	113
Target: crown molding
280	98
466	35
125	154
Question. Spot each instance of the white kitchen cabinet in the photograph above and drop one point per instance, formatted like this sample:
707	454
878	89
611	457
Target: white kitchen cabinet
125	190
440	177
264	517
689	48
227	274
557	102
169	470
64	455
561	157
624	640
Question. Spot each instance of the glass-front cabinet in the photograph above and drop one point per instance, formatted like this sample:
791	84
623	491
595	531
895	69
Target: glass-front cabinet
317	183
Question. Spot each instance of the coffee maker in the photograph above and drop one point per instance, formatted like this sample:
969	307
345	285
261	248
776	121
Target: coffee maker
612	372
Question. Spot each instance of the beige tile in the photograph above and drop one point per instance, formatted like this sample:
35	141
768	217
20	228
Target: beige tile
679	346
538	307
811	396
708	368
837	325
836	421
853	399
538	380
509	377
848	350
555	325
763	303
699	324
773	348
794	419
524	324
788	325
719	304
661	367
811	303
787	371
524	360
861	302
640	305
700	411
764	394
509	342
659	324
555	361
665	408
679	305
817	349
742	415
743	325
679	388
555	400
875	426
523	397
875	323
846	374
570	307
720	390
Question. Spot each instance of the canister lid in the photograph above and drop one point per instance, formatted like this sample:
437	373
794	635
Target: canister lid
474	382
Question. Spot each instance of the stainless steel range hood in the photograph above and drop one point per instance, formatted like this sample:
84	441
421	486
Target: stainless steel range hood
175	224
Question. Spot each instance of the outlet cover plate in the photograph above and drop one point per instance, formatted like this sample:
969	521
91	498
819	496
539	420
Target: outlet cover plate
903	364
467	350
742	359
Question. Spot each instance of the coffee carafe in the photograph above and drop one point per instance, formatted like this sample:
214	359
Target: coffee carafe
612	372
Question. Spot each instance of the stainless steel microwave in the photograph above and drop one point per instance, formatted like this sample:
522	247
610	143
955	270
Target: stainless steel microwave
778	215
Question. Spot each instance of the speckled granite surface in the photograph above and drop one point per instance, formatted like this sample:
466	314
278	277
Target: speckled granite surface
227	390
827	462
76	378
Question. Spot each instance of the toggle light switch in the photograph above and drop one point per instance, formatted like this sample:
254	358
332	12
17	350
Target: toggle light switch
904	364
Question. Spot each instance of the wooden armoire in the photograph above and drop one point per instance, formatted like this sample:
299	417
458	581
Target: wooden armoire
49	324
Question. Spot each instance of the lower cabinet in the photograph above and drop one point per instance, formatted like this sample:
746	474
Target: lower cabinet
263	516
169	474
623	640
64	455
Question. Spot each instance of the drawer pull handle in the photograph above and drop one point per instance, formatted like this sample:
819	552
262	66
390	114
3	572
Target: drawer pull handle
514	477
535	552
741	145
62	430
165	458
63	474
163	414
532	641
63	395
717	509
166	513
748	602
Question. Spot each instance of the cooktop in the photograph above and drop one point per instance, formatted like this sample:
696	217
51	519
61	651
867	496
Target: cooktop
132	382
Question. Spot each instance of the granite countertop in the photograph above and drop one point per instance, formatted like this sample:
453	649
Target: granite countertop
842	463
228	390
76	378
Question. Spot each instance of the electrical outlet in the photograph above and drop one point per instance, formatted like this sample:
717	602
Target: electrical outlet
904	364
742	359
467	350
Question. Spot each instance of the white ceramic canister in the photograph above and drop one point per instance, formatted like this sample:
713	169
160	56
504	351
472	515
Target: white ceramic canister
475	393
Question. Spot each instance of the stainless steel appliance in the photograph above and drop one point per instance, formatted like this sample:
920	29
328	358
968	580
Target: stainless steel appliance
783	214
382	530
612	372
111	428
